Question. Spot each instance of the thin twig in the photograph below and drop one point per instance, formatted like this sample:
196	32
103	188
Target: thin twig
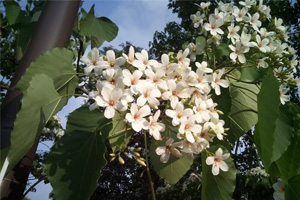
79	53
148	169
31	187
83	90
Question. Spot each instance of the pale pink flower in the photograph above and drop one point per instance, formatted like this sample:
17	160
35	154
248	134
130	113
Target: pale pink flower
217	162
137	117
165	151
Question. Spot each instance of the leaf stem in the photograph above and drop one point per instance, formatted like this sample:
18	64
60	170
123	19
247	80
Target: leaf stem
148	169
31	187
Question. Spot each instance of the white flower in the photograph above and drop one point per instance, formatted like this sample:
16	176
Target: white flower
149	93
132	80
217	81
283	97
262	63
195	49
203	67
110	100
178	112
165	151
136	117
247	3
214	25
179	90
156	78
279	190
113	77
232	33
92	61
131	60
143	57
278	23
262	44
188	127
182	58
218	128
156	127
197	19
238	52
166	65
217	162
240	15
112	61
201	111
254	21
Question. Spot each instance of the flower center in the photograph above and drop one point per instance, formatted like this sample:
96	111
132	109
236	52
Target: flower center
111	103
136	116
217	160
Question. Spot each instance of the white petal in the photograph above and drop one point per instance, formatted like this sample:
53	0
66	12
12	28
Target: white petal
210	160
109	112
215	169
160	150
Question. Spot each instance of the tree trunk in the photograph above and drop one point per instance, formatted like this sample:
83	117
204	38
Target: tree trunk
52	30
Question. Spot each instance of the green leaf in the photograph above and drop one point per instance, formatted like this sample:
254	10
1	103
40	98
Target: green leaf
76	160
221	50
96	43
288	164
243	114
202	41
175	168
292	191
39	103
268	112
220	186
85	120
120	134
13	11
57	64
224	102
250	74
296	117
101	28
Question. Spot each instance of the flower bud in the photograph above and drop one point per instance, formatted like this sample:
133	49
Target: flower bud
112	154
121	160
112	159
138	149
141	162
136	154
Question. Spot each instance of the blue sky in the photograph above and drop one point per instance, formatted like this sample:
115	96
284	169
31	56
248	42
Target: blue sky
137	21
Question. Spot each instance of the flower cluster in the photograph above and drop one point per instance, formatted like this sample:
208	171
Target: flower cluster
148	90
258	171
250	32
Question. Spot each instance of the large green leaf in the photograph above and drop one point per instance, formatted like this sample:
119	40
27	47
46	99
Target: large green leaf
220	186
268	112
85	120
224	102
250	74
75	161
57	64
102	28
175	168
243	114
288	164
13	12
292	191
39	103
121	133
